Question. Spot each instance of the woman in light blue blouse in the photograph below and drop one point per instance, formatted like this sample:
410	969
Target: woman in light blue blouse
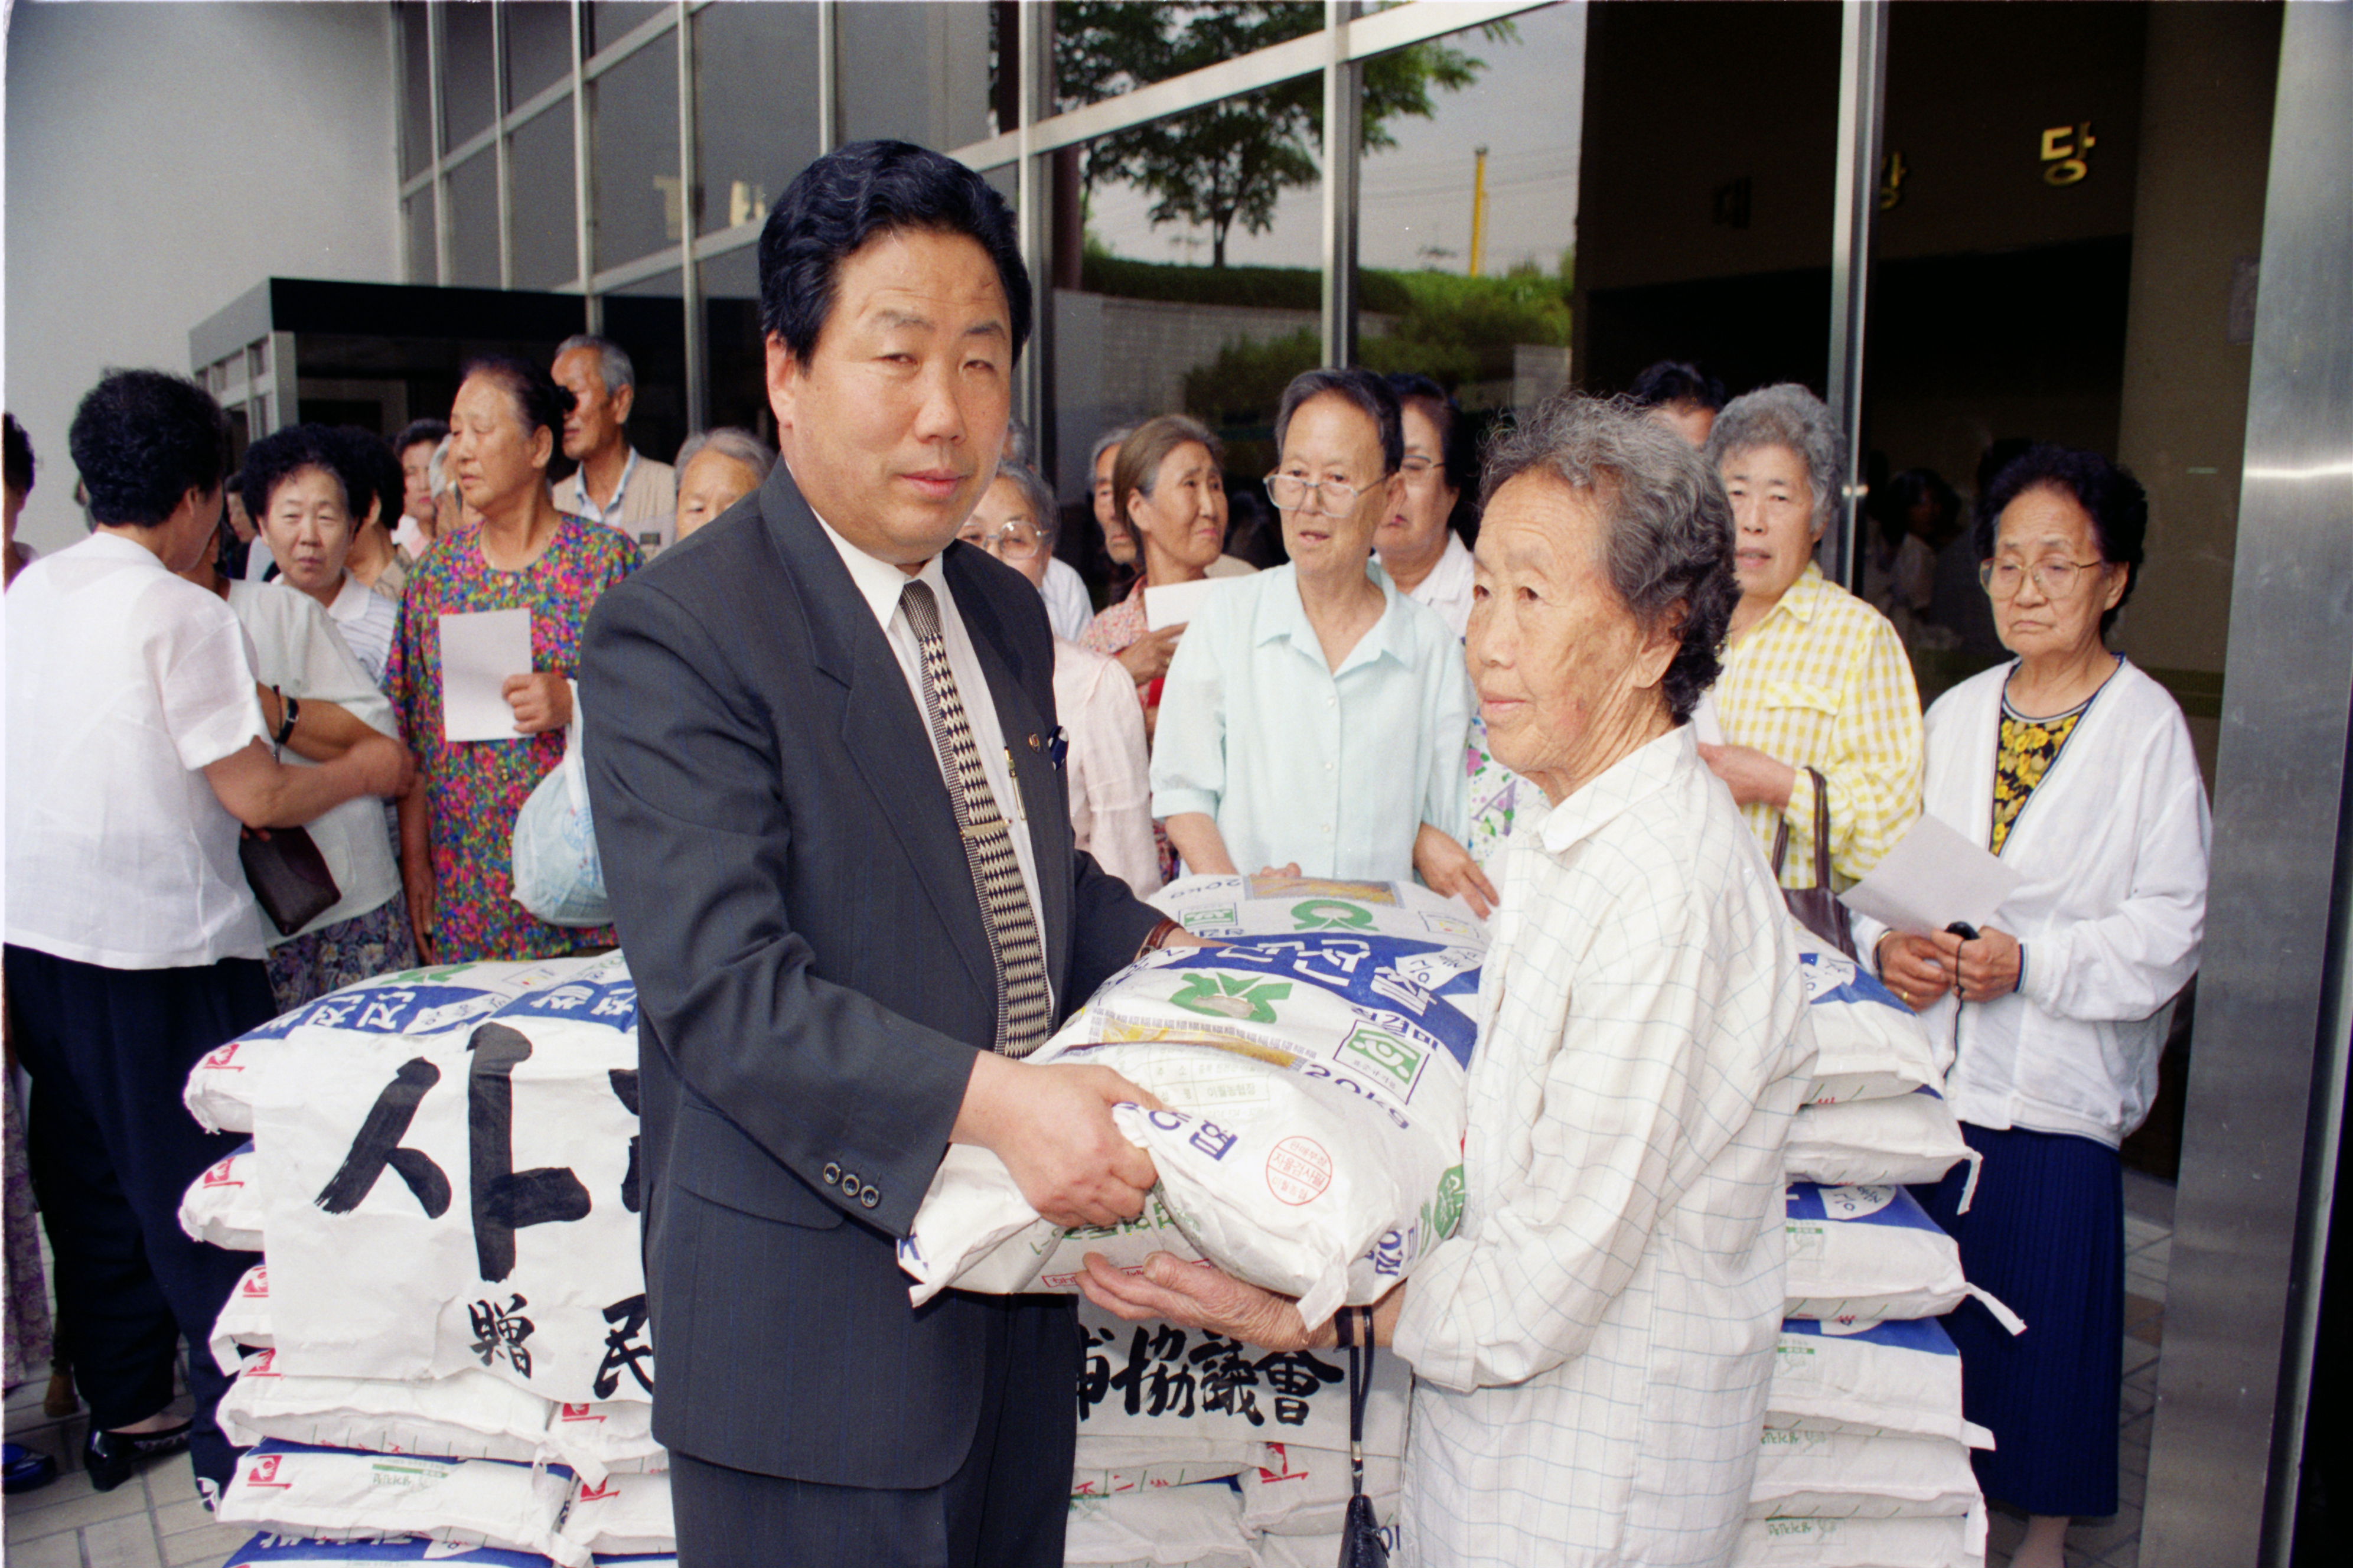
1314	716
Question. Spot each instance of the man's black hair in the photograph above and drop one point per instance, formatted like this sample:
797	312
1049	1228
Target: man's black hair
851	195
15	456
419	430
371	473
1673	382
142	440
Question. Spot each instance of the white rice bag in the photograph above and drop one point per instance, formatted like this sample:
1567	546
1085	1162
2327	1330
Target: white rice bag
272	1550
1305	1491
605	1438
1860	1254
339	1494
1950	1543
1269	904
1211	1458
1804	1473
470	1415
1200	1526
1150	1477
223	1207
1312	1143
1910	1139
220	1087
627	1514
1318	1550
1893	1377
1185	1390
244	1319
1867	1045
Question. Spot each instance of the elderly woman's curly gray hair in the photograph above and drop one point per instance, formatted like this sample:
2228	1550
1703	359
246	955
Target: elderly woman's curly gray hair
1667	528
1786	414
1038	494
732	441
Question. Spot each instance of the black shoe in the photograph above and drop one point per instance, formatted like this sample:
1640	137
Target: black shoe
112	1457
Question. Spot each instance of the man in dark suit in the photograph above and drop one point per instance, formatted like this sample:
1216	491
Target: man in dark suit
827	788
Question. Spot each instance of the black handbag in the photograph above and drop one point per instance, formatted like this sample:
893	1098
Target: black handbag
289	876
1816	908
1360	1532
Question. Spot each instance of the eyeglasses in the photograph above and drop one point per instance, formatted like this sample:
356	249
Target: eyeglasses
2052	579
1013	541
1333	498
1417	468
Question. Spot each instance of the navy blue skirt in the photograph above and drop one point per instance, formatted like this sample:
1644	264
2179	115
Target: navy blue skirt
2046	1235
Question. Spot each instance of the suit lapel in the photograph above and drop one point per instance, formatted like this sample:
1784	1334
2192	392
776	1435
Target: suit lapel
882	730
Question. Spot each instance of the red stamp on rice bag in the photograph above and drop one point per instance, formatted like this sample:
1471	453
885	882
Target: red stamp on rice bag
224	1058
265	1472
578	1413
255	1286
1297	1171
222	1174
598	1493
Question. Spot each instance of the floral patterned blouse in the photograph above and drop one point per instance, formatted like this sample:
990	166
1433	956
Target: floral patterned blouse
1116	626
473	789
2027	748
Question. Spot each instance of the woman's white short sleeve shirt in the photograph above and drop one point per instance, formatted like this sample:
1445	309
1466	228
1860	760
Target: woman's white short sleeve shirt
124	682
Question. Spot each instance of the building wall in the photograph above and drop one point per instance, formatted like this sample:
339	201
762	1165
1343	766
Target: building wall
161	161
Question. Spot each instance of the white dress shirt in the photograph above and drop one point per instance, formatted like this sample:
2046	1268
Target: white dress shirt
1109	769
882	585
297	648
1447	589
123	683
1068	607
1591	1349
1296	760
367	621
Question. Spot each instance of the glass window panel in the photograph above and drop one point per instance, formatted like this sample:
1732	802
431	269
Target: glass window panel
645	318
756	107
1703	234
610	21
1201	292
639	206
539	48
734	353
418	213
918	72
539	178
474	222
1467	206
467	80
417	92
1105	48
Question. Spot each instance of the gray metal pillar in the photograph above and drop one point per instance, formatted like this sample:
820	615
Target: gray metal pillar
2267	1074
1862	96
689	269
1344	99
1034	63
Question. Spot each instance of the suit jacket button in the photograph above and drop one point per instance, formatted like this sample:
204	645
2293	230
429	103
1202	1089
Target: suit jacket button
870	1197
849	1184
832	1174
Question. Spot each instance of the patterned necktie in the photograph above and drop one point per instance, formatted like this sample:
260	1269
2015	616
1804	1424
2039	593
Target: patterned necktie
1024	1003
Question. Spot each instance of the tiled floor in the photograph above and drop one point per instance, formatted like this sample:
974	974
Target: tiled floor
155	1520
2148	1244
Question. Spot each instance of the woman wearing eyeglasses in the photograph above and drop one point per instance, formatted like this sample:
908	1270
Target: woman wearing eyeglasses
1314	715
2076	768
1105	769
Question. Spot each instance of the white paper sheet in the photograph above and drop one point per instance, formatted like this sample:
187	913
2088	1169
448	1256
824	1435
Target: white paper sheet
479	651
1174	604
1931	879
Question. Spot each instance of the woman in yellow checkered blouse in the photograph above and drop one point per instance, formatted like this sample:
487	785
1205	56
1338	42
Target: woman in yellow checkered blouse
1813	677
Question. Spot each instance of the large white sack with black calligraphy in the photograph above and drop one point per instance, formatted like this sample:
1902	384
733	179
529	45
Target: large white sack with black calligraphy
1313	1068
462	1199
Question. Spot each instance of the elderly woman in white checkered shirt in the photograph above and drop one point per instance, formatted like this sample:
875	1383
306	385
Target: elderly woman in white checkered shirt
1813	677
1591	1347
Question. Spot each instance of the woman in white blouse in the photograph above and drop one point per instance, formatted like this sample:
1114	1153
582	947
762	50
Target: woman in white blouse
136	748
1106	766
2076	768
1592	1346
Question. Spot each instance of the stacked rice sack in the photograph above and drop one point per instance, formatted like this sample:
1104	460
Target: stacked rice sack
1313	1068
443	1346
1192	1448
1864	1460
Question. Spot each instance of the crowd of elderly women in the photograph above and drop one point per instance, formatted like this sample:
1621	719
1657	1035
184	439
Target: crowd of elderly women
1622	724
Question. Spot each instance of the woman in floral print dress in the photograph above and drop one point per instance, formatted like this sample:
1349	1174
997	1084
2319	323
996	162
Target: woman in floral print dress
457	854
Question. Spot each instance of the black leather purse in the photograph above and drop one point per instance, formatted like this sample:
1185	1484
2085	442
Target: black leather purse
1816	908
1360	1531
289	876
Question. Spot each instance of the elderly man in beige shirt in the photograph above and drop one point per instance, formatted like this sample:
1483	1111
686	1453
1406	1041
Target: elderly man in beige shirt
615	485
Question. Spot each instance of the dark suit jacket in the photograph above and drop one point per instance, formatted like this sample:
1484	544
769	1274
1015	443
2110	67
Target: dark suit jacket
813	978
